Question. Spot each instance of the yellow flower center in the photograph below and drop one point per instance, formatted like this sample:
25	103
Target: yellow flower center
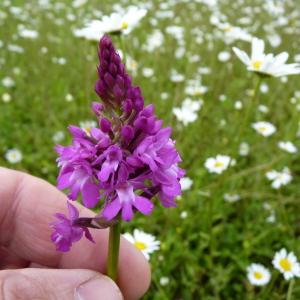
258	275
140	245
218	164
227	28
256	64
285	264
262	129
124	25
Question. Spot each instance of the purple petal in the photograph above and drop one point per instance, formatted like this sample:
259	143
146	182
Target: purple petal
111	209
144	205
90	194
73	211
127	212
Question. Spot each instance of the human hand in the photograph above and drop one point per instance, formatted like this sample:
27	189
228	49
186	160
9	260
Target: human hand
31	268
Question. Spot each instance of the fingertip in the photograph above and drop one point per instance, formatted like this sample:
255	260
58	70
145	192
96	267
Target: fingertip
134	271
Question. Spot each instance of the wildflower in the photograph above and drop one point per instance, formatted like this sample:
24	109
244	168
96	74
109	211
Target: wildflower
186	183
264	128
28	33
287	264
279	178
125	158
288	147
66	232
13	156
6	97
69	98
224	56
258	274
123	22
164	281
188	112
183	214
231	198
244	149
58	136
218	164
145	242
8	82
266	64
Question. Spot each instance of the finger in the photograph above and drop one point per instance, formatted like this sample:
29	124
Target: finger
57	284
27	206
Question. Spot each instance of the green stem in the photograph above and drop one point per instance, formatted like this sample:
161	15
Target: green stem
113	251
290	290
251	105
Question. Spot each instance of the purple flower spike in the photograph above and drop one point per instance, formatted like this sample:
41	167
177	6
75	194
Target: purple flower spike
114	84
122	164
65	232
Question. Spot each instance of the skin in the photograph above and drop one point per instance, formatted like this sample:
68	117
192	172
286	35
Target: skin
31	268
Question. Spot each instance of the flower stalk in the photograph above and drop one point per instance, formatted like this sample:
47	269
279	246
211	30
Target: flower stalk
113	251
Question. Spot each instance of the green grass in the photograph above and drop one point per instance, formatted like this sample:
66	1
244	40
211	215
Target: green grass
205	255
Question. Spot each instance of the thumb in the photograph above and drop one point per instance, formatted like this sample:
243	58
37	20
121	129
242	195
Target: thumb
47	284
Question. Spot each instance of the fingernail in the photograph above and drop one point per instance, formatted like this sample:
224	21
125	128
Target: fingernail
98	288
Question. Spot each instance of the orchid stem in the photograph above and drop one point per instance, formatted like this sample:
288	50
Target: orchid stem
113	251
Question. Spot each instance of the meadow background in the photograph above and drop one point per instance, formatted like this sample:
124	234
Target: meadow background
206	242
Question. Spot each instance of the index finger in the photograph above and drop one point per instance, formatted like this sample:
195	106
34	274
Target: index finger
27	207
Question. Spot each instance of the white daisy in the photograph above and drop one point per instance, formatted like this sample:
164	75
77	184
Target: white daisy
264	128
13	156
186	183
244	149
145	242
279	178
287	264
123	22
288	147
187	113
258	275
266	64
231	198
217	164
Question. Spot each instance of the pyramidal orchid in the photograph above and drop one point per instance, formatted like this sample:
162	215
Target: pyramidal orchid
118	167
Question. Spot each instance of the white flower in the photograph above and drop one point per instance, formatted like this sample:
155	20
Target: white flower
148	72
13	156
262	108
183	214
69	97
164	281
258	275
8	82
88	125
264	128
186	183
238	105
78	3
244	149
224	56
28	33
287	146
232	33
287	264
279	178
123	22
145	242
187	113
266	64
154	41
231	198
218	164
6	97
58	136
